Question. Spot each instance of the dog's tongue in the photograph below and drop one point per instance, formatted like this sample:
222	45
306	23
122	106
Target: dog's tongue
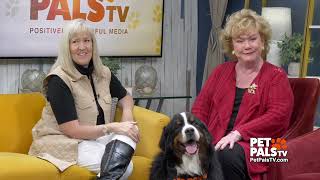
191	148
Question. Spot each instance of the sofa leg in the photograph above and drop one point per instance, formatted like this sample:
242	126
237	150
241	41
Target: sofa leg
115	160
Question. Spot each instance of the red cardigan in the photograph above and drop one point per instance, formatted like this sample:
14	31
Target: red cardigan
263	114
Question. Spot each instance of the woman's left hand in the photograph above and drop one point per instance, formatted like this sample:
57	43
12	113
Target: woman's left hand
127	116
231	138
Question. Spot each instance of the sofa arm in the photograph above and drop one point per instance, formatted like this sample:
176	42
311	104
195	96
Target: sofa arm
19	113
303	156
150	124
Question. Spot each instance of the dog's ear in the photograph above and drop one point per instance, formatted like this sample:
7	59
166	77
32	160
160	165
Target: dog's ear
204	128
163	138
167	137
166	140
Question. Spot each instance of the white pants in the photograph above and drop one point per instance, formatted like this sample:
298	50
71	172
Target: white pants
90	152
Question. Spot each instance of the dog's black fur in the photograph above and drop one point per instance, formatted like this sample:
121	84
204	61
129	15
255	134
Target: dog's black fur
164	166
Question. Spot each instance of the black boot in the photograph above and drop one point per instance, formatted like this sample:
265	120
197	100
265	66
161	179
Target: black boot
115	160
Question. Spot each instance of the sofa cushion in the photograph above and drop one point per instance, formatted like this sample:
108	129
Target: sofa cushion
19	113
141	171
77	173
15	166
304	176
141	168
150	126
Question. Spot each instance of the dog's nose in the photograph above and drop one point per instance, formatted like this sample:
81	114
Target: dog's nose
189	131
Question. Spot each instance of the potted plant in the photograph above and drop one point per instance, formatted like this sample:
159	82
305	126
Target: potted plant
112	63
290	52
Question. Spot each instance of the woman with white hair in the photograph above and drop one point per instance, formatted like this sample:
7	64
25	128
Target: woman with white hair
76	125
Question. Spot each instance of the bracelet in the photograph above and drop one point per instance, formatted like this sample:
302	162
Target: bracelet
105	130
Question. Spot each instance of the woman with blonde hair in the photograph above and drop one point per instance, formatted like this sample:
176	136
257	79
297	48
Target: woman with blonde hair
76	125
244	98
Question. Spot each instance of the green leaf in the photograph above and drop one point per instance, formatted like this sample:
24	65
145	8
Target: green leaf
290	48
112	63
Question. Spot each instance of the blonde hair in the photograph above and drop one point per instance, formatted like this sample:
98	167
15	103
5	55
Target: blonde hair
64	59
243	21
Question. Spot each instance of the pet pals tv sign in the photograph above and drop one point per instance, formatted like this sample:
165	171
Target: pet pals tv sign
268	150
32	28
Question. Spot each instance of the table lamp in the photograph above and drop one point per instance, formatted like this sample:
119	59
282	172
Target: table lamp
280	21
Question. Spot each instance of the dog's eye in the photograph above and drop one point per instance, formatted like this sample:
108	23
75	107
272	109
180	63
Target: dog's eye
192	121
178	122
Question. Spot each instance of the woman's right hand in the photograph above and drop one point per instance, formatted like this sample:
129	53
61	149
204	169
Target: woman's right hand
127	128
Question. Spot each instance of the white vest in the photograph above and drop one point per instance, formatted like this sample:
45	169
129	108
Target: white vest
48	141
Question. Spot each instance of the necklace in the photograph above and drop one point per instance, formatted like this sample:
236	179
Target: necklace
245	76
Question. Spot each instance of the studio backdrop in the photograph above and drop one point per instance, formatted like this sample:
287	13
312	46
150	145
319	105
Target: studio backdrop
32	28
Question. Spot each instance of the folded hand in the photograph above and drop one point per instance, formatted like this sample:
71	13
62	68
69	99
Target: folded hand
230	139
127	128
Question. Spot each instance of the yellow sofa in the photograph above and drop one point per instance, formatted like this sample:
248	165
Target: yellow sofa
19	113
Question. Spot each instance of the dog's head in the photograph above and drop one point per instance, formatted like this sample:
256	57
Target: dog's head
185	135
186	151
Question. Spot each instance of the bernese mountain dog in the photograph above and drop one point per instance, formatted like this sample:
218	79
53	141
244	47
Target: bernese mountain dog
186	152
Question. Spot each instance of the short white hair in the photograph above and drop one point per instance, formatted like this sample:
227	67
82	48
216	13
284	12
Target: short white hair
64	57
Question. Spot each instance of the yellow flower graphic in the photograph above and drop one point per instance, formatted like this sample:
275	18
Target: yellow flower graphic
133	20
157	44
12	8
157	14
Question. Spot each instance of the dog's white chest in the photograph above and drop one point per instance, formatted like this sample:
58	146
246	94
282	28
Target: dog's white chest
190	165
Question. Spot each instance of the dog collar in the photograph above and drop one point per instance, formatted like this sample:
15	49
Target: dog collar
192	178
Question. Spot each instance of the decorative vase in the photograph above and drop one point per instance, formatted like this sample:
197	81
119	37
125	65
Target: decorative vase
31	80
145	80
293	69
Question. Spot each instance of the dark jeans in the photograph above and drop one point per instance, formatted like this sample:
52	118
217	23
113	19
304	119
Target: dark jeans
233	163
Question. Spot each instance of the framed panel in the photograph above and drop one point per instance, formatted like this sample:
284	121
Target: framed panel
313	55
311	60
123	28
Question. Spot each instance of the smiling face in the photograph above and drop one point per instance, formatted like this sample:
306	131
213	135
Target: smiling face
187	140
81	48
185	135
248	46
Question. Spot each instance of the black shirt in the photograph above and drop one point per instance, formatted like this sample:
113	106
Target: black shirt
62	102
236	106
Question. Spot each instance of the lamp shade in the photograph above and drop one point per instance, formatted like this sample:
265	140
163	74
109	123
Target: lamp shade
280	21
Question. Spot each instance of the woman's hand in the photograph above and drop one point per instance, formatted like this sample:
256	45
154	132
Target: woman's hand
127	128
231	138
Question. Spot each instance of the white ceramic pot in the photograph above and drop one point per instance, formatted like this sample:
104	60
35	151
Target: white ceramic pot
294	69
